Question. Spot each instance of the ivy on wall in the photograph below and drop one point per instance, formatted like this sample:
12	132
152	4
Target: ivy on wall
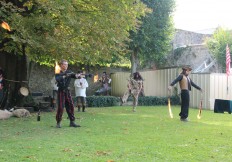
179	51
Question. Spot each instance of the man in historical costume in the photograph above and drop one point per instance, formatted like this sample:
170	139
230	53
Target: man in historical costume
64	96
185	85
80	85
105	80
138	77
134	86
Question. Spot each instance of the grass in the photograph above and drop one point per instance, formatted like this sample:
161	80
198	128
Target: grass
117	134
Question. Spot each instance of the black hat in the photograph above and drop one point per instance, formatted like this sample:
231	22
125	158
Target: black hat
187	68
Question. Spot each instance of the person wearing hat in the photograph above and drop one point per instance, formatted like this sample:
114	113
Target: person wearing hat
185	85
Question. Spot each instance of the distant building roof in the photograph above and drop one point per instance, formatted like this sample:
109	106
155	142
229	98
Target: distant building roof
206	31
209	31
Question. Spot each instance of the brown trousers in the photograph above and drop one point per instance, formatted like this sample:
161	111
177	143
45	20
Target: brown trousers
65	100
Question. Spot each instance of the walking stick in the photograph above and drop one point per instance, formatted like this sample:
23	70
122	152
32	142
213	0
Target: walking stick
169	107
200	108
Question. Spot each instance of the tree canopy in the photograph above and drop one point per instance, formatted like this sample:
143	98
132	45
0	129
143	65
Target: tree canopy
86	31
151	42
217	45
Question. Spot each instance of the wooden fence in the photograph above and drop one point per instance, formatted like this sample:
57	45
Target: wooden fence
156	83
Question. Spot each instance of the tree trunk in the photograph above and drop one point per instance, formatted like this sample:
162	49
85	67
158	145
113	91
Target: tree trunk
15	70
134	61
21	77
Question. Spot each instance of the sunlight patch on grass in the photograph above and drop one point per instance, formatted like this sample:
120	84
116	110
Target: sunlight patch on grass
217	123
124	114
148	116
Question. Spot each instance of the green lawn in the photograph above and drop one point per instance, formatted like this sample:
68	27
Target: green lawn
117	134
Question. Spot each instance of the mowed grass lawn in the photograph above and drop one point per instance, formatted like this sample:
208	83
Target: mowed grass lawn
117	134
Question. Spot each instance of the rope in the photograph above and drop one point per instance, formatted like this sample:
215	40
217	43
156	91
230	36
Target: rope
15	80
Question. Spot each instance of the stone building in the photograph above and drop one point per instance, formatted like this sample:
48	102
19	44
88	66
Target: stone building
188	48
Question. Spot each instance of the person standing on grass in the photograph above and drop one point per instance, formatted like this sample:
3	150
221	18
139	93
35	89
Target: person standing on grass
185	85
135	85
80	85
54	93
64	96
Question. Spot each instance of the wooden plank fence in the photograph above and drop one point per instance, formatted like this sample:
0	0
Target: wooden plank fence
156	83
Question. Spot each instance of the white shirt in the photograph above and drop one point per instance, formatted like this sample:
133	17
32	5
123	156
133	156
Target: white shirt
54	84
80	89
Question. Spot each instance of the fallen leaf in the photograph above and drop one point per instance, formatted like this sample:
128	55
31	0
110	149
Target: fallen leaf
102	153
30	157
67	150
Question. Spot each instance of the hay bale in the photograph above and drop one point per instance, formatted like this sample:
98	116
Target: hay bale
5	114
20	113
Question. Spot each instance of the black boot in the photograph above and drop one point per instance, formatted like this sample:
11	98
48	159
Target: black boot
83	109
121	101
79	108
73	124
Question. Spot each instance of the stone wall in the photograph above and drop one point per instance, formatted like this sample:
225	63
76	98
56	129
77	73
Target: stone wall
184	38
189	49
194	56
41	76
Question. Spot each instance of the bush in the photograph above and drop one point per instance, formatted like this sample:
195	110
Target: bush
153	100
102	101
108	101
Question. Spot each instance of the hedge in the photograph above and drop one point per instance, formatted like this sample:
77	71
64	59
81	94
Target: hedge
108	101
102	101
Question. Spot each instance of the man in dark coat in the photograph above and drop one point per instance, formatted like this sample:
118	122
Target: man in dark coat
185	85
64	96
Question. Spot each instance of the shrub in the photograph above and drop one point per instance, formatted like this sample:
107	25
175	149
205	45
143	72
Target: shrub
153	100
102	101
108	101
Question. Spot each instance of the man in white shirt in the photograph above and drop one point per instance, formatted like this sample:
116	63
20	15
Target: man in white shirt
54	92
80	85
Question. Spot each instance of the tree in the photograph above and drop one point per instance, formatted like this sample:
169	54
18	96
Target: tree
217	45
82	31
89	31
151	42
